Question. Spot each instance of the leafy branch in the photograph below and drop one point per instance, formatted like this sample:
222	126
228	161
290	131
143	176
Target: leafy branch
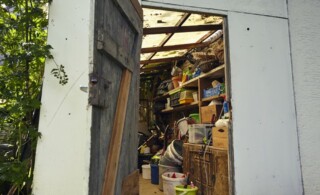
60	73
23	51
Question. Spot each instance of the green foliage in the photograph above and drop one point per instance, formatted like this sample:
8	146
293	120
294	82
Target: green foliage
23	51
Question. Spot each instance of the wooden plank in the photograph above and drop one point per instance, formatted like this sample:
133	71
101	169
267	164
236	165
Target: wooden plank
116	135
168	37
138	8
132	17
179	29
174	47
162	60
130	184
107	45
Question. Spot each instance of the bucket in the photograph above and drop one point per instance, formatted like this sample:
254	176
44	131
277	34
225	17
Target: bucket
183	126
146	172
175	150
195	117
154	174
170	183
164	169
180	190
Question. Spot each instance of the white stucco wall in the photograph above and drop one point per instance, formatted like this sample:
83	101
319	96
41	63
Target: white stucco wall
305	41
265	142
63	152
276	8
266	153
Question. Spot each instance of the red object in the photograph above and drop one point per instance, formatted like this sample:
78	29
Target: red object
174	175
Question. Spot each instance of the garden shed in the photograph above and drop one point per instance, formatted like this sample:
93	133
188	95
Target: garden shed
89	127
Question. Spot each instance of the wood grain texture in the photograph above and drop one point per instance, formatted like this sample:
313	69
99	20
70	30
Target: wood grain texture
116	135
130	184
112	18
208	170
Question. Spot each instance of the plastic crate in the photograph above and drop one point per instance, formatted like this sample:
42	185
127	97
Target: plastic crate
199	132
186	94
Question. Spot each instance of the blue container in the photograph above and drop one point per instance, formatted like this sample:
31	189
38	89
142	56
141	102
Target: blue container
154	174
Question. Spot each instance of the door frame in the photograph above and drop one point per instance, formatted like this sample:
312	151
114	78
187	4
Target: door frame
224	14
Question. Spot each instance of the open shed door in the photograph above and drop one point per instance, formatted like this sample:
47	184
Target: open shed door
114	96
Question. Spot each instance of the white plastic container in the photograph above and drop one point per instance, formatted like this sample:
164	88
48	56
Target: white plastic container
170	183
195	96
197	133
164	169
183	126
146	171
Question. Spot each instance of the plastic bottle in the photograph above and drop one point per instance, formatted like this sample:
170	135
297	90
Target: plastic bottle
225	106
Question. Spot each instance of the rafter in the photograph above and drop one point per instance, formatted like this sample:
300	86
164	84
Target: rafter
173	47
161	60
179	29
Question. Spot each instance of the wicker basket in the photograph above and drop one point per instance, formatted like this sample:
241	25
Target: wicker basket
207	65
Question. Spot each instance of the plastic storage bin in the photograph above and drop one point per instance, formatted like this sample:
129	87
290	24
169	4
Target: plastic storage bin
199	132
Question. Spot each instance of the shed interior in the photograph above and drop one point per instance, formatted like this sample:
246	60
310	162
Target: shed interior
184	112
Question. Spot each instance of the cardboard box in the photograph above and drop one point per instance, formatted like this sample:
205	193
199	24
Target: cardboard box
220	137
207	112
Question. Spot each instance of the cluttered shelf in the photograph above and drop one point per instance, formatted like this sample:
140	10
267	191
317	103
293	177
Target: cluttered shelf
182	107
214	73
216	97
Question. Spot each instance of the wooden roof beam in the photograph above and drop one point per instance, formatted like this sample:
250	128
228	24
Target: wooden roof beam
179	29
162	60
173	47
168	37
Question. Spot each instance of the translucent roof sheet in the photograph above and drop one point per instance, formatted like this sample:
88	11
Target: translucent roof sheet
168	24
185	38
198	19
152	40
169	54
160	18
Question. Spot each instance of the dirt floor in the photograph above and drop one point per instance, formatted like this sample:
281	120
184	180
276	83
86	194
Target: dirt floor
147	188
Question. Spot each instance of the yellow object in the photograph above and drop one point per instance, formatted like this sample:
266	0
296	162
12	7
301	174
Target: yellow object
186	101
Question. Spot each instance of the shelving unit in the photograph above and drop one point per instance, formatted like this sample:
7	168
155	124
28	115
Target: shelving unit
217	97
201	82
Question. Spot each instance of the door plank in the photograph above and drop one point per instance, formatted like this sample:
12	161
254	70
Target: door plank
138	8
107	44
130	184
116	135
127	10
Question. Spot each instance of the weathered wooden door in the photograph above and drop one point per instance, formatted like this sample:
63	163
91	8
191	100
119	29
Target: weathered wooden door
114	96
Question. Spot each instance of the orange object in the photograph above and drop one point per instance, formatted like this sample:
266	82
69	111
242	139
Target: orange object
175	81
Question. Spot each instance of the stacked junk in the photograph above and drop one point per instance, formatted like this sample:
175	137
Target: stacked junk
165	167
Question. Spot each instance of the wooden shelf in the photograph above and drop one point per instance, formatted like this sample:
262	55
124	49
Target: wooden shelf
164	96
217	97
213	74
182	107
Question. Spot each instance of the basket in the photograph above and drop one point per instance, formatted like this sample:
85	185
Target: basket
207	65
